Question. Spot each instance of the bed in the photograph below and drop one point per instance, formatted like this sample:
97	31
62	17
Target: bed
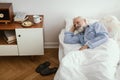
101	63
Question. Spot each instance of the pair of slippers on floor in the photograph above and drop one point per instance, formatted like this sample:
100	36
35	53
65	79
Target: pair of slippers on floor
44	69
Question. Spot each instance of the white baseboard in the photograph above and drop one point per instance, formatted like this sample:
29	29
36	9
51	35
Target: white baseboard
51	45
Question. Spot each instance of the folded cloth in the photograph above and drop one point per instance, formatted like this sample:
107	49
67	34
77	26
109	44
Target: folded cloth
42	66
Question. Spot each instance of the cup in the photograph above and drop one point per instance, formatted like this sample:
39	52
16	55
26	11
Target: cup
37	19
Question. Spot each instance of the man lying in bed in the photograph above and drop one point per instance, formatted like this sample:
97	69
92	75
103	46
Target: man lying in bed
89	36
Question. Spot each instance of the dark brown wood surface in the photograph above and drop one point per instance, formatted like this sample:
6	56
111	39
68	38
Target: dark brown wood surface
14	25
23	68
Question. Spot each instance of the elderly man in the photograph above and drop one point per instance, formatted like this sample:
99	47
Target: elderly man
89	36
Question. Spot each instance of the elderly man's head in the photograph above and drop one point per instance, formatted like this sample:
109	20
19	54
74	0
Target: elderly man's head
79	23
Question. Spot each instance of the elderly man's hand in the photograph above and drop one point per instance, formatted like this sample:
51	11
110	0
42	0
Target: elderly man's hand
84	47
72	29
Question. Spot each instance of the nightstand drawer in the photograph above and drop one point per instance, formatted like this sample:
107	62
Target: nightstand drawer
8	50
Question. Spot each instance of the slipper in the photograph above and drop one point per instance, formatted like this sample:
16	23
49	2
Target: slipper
42	66
48	71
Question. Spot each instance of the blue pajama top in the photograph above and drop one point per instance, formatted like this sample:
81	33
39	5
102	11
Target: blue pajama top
94	35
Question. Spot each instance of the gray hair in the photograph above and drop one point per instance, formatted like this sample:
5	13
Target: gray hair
83	18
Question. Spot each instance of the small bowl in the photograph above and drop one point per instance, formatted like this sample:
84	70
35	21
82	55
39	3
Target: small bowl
27	24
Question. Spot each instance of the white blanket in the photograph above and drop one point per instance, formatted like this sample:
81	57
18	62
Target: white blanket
90	64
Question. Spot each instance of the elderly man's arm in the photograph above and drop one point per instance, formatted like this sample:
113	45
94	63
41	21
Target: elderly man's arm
101	36
70	38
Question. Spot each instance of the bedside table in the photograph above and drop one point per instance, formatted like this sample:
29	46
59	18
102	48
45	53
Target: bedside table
29	41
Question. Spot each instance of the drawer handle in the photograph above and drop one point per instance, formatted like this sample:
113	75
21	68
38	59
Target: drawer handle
19	35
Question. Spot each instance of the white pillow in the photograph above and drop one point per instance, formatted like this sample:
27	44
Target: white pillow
91	20
68	24
113	26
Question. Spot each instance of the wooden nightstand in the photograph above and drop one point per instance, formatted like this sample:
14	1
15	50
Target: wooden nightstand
29	40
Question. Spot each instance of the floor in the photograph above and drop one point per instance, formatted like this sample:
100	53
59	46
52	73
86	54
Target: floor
23	68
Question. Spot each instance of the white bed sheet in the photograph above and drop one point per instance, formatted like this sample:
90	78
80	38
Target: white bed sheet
79	66
65	48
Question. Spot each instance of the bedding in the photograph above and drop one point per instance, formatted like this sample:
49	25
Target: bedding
113	26
101	63
97	64
111	23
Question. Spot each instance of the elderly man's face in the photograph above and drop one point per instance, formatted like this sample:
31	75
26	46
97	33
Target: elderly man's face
78	22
